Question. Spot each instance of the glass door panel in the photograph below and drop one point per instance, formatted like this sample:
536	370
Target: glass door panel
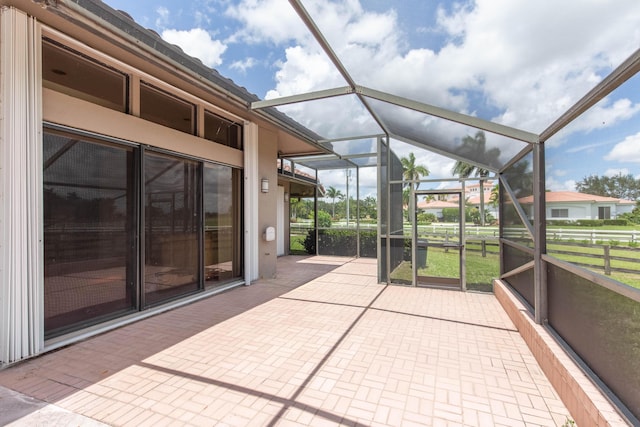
171	227
438	244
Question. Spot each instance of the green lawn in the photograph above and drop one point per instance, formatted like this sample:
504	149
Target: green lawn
480	271
631	279
635	227
296	244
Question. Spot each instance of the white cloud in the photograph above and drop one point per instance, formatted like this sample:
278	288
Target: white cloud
202	18
533	64
552	184
603	115
163	17
529	64
304	71
626	151
197	43
526	62
243	66
613	172
266	21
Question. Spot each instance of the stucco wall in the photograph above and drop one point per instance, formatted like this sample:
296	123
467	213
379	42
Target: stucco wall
267	208
286	222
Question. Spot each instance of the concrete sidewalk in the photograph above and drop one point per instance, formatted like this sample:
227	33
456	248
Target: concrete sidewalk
323	344
16	409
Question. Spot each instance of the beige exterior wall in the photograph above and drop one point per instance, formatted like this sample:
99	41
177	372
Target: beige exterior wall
287	223
73	112
267	208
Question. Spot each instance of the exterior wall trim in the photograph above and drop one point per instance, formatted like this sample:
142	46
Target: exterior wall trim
21	223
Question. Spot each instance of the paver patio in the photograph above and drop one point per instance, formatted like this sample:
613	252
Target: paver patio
323	344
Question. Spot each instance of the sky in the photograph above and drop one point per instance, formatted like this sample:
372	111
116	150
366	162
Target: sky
521	63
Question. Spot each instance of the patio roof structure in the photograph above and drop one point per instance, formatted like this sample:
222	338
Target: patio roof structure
412	119
516	155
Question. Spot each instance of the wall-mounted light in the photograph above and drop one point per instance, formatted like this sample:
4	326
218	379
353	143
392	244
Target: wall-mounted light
264	185
286	197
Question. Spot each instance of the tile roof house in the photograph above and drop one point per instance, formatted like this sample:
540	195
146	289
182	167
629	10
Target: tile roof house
435	207
571	205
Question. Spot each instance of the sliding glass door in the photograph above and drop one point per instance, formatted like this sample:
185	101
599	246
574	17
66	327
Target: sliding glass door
171	194
89	231
127	228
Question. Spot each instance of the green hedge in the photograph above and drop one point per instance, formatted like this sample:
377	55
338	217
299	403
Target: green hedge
560	222
619	221
590	222
342	242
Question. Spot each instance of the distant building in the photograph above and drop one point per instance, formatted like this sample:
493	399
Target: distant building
435	207
572	206
472	196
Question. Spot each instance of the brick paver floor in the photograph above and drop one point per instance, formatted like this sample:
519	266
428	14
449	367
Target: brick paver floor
323	344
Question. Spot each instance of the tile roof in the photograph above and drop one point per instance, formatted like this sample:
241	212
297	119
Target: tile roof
574	196
436	204
123	22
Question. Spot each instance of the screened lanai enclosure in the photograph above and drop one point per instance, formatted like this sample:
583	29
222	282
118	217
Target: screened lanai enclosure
593	312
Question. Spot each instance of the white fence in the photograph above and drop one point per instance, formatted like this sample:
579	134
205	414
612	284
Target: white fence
583	235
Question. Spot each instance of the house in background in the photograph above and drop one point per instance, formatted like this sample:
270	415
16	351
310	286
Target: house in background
572	206
472	196
435	207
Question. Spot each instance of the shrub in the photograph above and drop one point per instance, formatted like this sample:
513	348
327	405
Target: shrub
619	221
310	242
368	243
342	242
324	219
614	242
559	222
426	218
590	222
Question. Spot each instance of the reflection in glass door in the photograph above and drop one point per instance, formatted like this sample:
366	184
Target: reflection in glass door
171	227
89	229
438	246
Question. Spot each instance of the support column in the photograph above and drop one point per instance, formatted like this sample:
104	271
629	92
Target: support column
21	220
540	235
251	233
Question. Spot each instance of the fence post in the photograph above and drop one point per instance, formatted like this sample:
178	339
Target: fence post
484	248
607	260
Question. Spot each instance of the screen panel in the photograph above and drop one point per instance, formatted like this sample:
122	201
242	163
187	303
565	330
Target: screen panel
602	327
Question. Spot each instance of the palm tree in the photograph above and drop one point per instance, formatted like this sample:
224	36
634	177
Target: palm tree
475	148
333	194
494	199
411	171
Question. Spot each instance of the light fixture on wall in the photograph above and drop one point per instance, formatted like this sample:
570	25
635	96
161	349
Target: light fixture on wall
264	185
286	197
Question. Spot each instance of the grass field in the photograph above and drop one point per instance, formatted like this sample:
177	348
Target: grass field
480	270
296	244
